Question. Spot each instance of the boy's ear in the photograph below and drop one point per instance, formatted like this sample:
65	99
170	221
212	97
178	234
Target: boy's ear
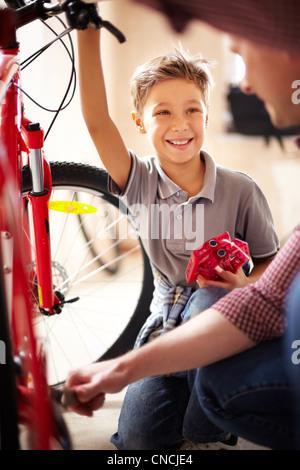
206	121
138	122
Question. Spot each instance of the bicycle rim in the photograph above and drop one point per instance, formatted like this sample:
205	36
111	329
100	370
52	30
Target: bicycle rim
97	258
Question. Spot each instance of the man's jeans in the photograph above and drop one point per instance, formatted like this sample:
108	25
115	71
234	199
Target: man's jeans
256	394
158	411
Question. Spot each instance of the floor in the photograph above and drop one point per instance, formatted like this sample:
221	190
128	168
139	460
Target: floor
94	433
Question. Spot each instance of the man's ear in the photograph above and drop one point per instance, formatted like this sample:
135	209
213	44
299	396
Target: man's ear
138	122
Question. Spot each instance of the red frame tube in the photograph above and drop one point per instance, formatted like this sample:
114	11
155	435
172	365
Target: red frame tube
40	214
37	410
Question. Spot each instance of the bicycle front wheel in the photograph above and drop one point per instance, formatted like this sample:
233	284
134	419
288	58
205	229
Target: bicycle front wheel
98	262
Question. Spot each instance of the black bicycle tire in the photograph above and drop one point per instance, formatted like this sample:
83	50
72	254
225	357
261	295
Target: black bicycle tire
96	179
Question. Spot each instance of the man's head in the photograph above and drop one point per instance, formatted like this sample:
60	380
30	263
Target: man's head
273	23
274	76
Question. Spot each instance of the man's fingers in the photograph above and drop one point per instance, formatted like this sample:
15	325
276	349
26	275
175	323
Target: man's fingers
69	398
78	401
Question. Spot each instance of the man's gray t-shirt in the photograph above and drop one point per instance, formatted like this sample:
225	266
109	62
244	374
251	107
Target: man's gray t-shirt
171	226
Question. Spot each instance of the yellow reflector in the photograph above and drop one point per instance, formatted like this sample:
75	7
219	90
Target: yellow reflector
73	207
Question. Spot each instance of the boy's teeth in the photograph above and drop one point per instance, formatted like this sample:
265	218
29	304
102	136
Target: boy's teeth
179	142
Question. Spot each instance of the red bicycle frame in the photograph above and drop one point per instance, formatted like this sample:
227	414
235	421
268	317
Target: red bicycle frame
21	143
19	136
33	139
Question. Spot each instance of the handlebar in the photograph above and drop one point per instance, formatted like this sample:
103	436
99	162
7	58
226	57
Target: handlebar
79	16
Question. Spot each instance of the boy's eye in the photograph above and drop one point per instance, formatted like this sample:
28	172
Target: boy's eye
193	110
163	112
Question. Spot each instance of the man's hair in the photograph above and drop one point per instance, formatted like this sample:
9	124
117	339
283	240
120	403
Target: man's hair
179	64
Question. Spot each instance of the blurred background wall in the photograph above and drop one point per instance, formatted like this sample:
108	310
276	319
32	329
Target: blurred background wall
149	34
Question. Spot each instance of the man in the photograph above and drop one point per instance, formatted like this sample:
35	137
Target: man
246	388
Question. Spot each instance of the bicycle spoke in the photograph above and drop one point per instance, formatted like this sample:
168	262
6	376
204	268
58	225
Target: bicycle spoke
96	258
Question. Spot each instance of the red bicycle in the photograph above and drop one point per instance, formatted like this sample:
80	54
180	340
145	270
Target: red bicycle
62	254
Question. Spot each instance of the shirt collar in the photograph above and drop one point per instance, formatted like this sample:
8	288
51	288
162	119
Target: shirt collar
167	187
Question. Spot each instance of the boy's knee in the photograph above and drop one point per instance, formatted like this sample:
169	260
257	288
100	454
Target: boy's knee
202	299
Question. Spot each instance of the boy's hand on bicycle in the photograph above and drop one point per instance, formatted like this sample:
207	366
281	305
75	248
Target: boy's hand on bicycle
84	14
81	14
229	280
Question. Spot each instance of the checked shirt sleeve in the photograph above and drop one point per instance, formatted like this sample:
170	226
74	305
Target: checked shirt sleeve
258	308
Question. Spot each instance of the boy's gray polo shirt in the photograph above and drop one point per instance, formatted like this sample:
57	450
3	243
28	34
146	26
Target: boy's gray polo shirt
172	226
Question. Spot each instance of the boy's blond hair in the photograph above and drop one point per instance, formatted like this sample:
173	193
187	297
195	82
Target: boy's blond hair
173	65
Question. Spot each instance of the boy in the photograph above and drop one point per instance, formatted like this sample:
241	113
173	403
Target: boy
201	200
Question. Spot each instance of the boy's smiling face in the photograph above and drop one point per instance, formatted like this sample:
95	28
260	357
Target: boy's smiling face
175	120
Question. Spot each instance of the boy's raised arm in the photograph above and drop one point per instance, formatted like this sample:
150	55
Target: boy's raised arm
103	131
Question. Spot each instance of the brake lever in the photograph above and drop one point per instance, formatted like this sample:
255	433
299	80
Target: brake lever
80	15
112	29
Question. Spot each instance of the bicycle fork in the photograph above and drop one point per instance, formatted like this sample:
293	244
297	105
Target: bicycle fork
39	198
